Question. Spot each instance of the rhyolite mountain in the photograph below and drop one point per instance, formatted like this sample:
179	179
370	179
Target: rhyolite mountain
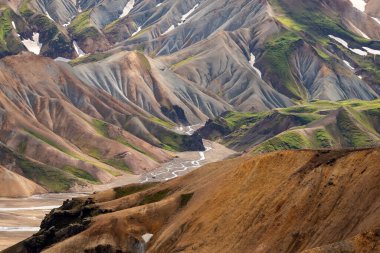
110	80
208	56
65	135
106	83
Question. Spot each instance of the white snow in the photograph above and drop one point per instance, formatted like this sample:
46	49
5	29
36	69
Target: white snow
377	20
348	64
360	77
138	30
67	24
359	51
77	49
169	29
184	16
33	45
147	237
158	4
345	44
47	14
372	51
128	7
13	25
252	62
62	59
359	4
341	41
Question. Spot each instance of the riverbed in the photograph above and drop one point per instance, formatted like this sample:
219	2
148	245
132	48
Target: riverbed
21	217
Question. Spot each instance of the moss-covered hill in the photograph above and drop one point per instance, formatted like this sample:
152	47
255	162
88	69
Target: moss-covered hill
314	125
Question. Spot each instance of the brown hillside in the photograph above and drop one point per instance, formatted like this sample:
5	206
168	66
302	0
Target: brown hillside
14	185
287	201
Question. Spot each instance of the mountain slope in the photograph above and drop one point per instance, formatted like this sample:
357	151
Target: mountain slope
289	201
48	114
204	56
319	124
14	185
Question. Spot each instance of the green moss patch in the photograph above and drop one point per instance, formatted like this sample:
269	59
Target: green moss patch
131	189
155	197
80	173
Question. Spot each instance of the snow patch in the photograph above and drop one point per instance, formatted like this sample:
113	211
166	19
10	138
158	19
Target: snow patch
377	20
341	41
184	16
128	7
138	30
252	63
62	59
47	15
158	4
33	45
372	51
359	52
13	25
359	4
146	237
345	44
348	64
77	49
171	28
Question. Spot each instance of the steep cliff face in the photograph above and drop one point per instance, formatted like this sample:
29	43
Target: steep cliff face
289	201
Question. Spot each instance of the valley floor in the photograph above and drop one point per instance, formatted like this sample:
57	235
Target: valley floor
20	218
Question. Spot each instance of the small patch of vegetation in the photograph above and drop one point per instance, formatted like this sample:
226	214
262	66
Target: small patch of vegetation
89	58
277	53
82	28
114	162
5	27
353	135
51	178
47	140
300	109
235	120
131	189
161	122
24	9
183	62
155	197
144	61
80	173
287	140
101	127
323	138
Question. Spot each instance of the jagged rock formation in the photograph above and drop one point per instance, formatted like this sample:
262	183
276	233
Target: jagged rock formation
289	201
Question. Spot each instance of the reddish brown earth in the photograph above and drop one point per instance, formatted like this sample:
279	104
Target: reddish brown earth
289	201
